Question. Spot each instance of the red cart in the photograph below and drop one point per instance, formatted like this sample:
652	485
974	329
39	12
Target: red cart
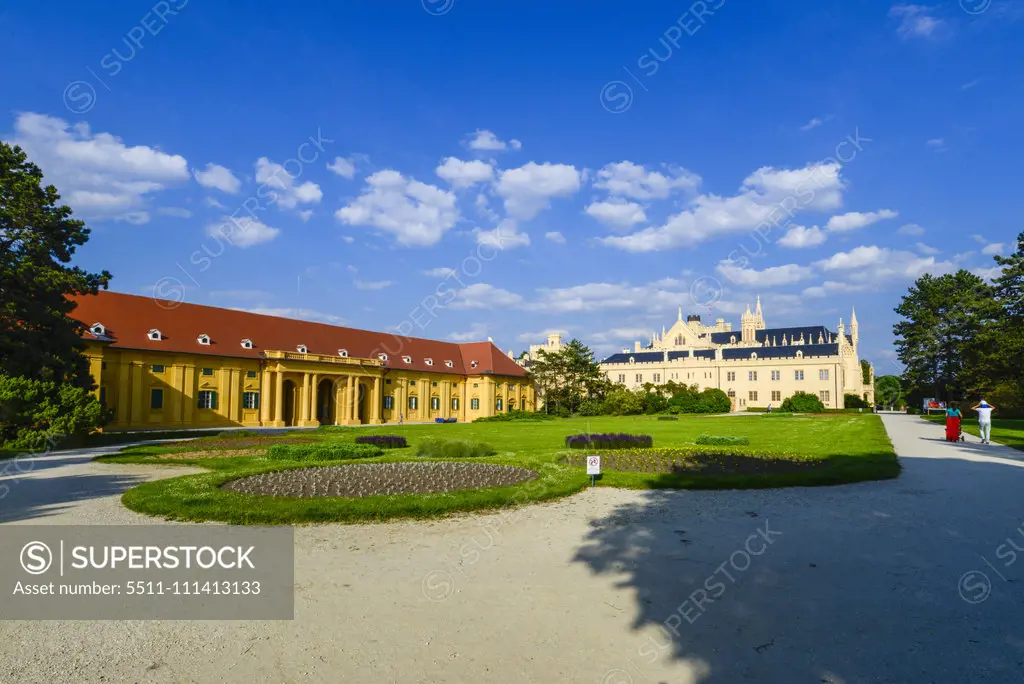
953	433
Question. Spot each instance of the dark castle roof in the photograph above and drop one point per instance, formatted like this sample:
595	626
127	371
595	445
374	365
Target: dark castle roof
731	353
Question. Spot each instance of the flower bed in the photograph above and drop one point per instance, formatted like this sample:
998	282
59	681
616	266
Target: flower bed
609	441
705	460
383	441
374	479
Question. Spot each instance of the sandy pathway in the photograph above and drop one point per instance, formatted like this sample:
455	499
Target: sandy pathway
858	584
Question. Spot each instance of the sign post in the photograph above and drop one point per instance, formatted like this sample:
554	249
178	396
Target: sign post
593	467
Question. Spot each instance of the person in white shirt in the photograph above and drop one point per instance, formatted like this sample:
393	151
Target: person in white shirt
984	410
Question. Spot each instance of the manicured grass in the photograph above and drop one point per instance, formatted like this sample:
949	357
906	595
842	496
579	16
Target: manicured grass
1008	431
850	447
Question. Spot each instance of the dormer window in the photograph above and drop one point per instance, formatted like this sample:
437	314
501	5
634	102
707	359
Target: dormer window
450	364
302	349
473	364
155	335
407	359
343	353
97	329
247	343
203	339
429	362
732	339
382	357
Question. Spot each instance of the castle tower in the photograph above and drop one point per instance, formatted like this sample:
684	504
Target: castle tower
841	332
759	315
853	326
748	326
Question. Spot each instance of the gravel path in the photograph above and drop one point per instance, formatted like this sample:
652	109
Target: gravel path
858	584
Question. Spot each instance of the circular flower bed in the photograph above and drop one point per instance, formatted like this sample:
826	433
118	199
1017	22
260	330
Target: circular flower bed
709	460
372	479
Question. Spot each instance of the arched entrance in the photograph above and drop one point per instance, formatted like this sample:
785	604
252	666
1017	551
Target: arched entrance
360	403
288	403
325	402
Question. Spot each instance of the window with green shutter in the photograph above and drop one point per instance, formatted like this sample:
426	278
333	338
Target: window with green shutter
474	404
435	403
414	403
207	399
455	404
251	400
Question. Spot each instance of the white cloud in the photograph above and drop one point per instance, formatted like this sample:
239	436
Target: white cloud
485	296
176	212
283	190
344	167
218	177
306	214
463	174
539	337
488	141
769	277
798	237
663	295
98	176
555	236
970	84
505	236
242	231
855	219
916	21
871	266
372	285
992	249
528	190
926	249
813	123
980	239
911	229
239	294
440	272
617	213
937	144
626	179
297	314
417	214
766	196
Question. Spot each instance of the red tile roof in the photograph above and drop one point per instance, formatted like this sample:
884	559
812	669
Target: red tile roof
127	320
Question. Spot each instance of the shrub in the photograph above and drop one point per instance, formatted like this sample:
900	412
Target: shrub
34	413
383	441
590	407
668	418
802	402
228	434
623	402
453	448
323	451
723	440
853	401
609	441
713	400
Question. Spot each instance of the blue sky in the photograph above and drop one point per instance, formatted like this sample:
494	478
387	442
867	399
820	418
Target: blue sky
586	167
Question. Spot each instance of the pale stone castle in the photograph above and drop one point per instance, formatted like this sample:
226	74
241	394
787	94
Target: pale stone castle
756	366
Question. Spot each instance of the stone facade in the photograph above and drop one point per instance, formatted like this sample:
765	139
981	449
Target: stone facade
756	366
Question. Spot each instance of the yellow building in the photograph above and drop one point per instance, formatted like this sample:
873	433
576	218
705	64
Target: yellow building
756	366
161	365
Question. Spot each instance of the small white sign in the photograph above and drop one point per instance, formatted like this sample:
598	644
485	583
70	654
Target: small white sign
593	465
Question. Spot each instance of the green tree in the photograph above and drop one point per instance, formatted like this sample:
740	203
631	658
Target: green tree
714	400
34	413
1001	346
623	402
889	392
568	377
38	237
937	340
865	371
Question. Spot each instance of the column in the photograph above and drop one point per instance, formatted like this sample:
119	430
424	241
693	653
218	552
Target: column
339	401
265	397
188	394
302	410
225	385
124	398
375	403
96	371
137	398
173	400
463	399
355	400
349	400
314	400
278	418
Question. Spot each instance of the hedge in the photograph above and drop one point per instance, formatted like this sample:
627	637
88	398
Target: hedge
323	452
435	447
383	441
608	441
723	440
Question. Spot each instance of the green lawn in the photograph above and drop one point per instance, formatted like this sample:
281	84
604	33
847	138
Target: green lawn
1008	431
851	447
